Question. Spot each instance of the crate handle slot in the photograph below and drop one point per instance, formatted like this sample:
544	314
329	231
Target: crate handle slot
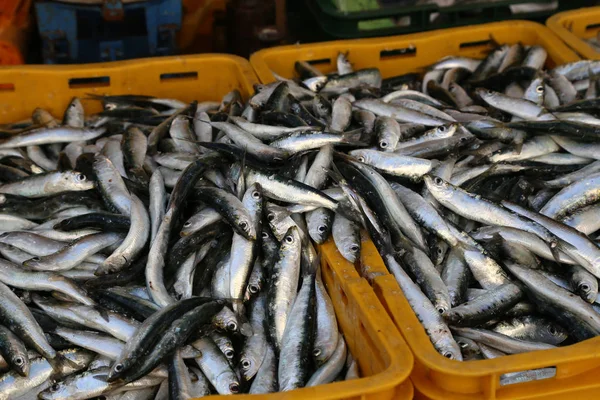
592	26
409	51
319	61
7	87
530	375
175	76
343	297
90	82
477	43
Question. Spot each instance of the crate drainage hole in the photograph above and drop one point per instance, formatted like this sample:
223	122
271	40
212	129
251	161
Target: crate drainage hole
527	376
475	44
319	61
191	75
592	26
407	51
97	81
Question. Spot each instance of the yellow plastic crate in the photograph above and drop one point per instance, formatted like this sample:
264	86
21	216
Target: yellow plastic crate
434	376
409	53
384	359
573	26
197	77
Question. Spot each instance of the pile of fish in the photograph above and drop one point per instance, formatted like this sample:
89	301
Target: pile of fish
134	266
160	249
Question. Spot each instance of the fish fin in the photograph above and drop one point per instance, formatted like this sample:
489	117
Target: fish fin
518	146
102	377
554	250
63	164
352	136
60	361
335	174
103	312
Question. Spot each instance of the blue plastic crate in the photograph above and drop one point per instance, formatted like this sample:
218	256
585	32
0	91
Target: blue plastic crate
73	33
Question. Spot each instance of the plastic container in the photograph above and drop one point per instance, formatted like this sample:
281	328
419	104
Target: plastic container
383	356
346	19
408	53
84	31
436	377
200	77
574	26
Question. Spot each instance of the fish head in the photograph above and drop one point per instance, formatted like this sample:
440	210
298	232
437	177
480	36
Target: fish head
227	320
486	94
438	187
58	390
248	366
362	156
315	83
553	333
20	362
291	239
245	226
117	370
77	181
447	347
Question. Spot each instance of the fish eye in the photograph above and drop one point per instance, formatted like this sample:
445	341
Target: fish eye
552	330
253	289
35	259
361	159
187	224
232	326
585	287
383	144
229	354
244	225
354	248
118	368
316	352
277	159
80	177
245	364
490	91
289	239
442	128
463	139
448	355
322	228
2	198
265	235
55	387
437	180
234	387
462	345
539	89
256	194
270	217
441	310
440	251
19	361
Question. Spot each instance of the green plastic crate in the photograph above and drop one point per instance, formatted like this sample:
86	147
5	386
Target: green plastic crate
349	19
